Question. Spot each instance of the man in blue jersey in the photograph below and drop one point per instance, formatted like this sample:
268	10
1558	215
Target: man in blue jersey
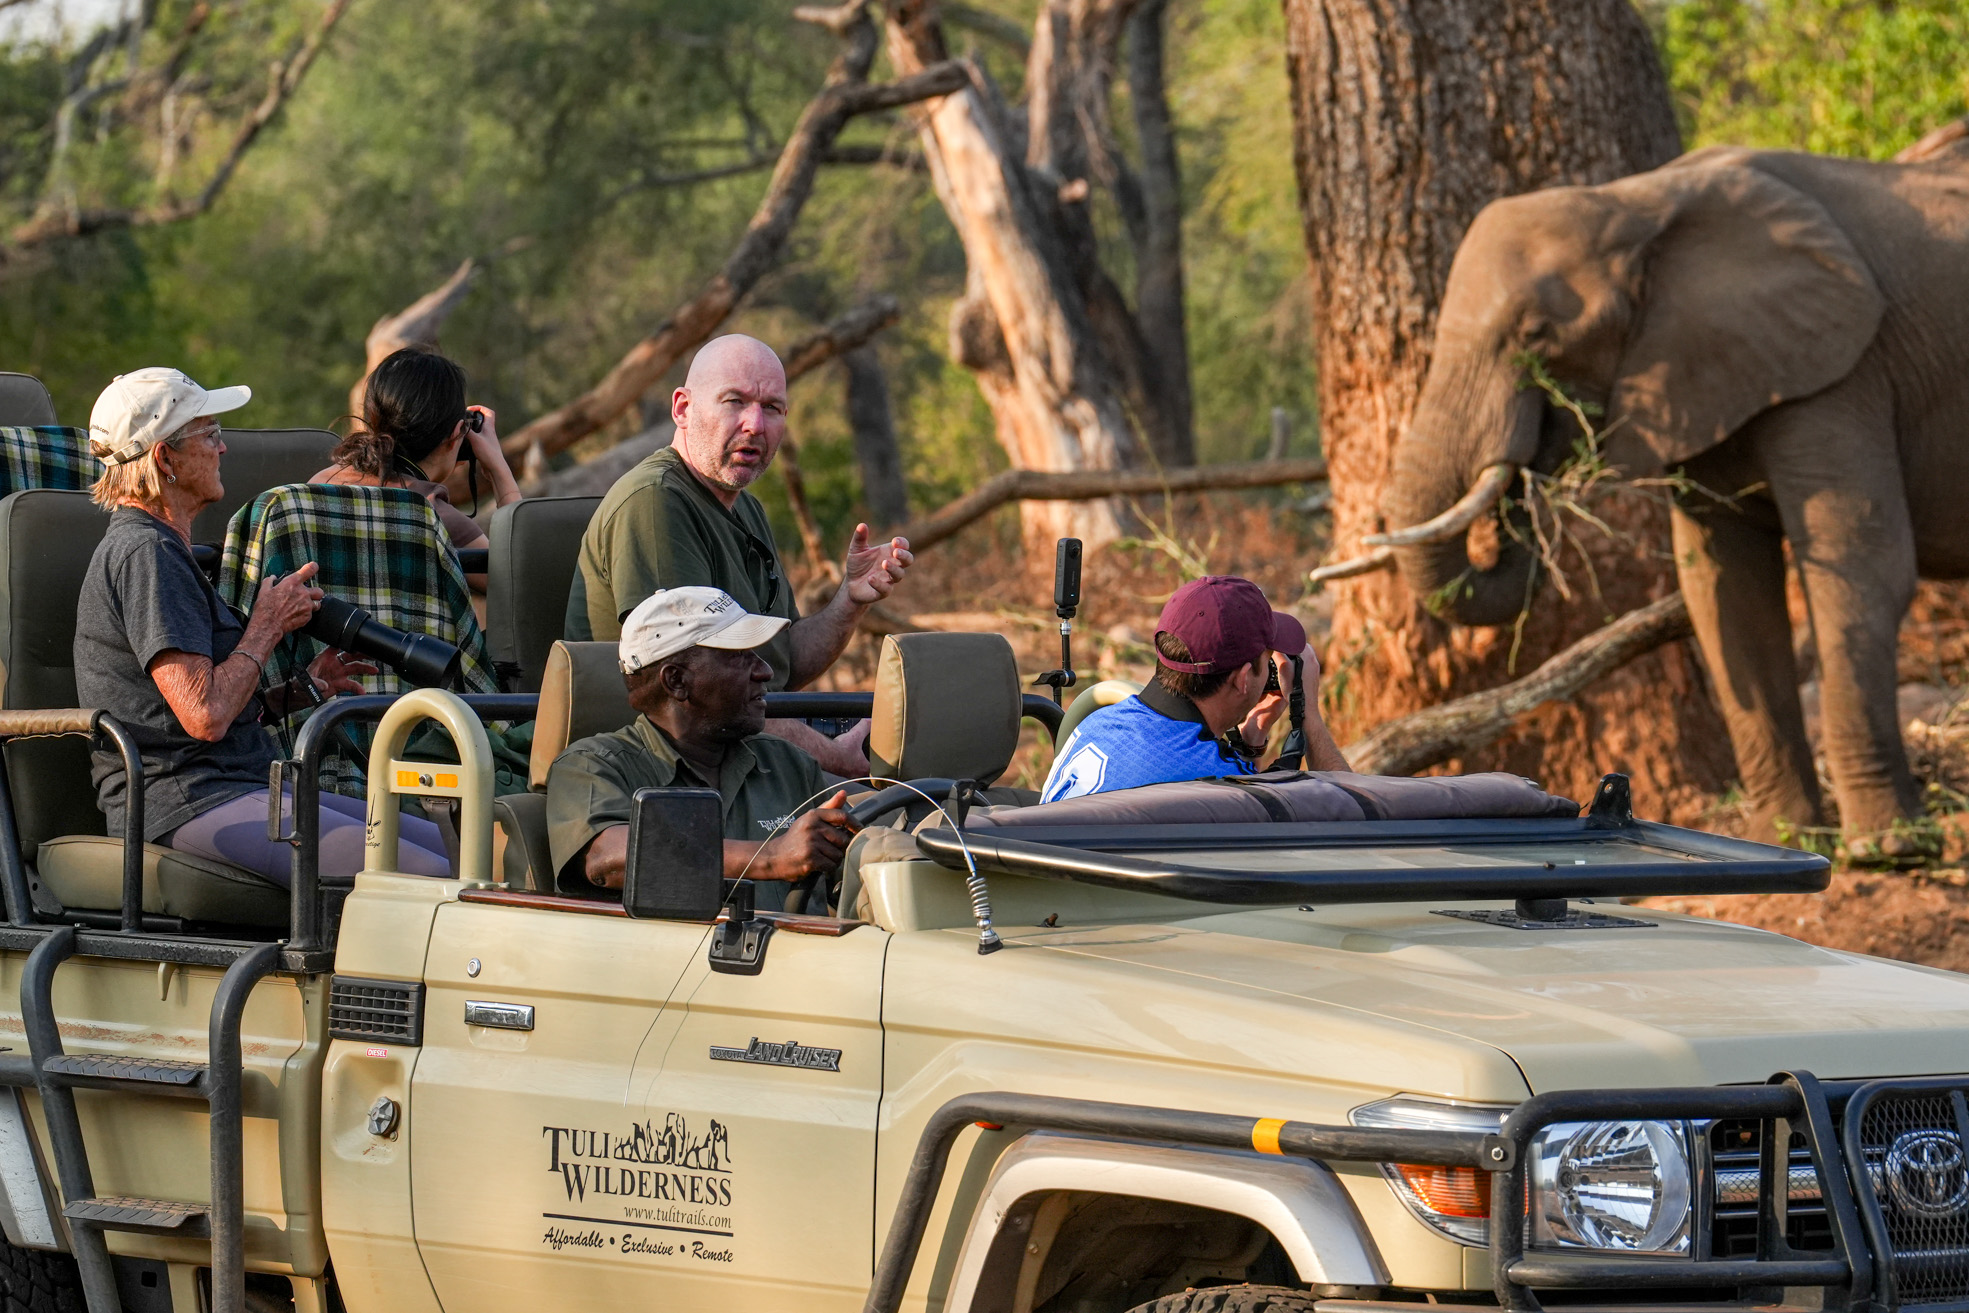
1207	711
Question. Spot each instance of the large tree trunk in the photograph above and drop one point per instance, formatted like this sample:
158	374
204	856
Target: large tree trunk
877	451
1072	373
1409	116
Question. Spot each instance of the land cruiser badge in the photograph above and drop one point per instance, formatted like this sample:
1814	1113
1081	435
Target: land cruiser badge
787	1054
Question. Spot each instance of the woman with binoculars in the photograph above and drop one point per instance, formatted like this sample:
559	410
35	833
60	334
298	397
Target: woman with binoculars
157	648
412	436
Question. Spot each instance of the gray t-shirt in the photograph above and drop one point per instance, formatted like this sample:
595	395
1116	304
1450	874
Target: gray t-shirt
142	596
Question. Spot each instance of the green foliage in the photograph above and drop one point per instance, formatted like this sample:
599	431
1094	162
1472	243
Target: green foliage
1842	77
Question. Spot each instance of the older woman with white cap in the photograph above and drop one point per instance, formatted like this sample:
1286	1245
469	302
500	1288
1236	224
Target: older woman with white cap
157	648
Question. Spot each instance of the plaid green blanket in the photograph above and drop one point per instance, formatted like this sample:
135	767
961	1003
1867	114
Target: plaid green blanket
50	457
382	549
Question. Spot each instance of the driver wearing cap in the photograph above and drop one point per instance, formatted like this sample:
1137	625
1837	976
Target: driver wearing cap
690	657
1207	712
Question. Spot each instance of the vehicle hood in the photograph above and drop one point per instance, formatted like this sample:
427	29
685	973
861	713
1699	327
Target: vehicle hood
1676	1001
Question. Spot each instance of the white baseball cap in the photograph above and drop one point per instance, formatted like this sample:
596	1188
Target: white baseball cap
140	409
667	622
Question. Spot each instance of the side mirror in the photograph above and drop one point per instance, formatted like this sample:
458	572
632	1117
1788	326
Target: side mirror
676	861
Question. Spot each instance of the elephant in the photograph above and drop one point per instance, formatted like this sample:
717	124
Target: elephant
1781	328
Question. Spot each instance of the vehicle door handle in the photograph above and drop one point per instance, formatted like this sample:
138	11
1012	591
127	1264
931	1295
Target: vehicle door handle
499	1016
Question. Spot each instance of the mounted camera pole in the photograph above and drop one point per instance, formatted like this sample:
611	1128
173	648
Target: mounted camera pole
1066	601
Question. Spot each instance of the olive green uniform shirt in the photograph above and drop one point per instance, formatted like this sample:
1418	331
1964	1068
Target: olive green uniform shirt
592	785
660	527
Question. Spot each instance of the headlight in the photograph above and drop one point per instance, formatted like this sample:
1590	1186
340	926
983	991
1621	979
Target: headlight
1621	1186
1453	1201
1609	1186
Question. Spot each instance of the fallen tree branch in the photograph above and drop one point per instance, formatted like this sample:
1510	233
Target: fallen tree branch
283	79
846	95
1435	734
1087	485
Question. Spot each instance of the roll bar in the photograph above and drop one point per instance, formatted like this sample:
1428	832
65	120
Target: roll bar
311	936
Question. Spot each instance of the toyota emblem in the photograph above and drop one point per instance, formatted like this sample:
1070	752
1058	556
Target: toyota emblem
1925	1173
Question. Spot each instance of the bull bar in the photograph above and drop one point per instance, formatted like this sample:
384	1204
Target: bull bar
1863	1270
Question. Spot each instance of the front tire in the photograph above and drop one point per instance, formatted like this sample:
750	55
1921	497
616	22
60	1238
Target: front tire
1232	1299
39	1281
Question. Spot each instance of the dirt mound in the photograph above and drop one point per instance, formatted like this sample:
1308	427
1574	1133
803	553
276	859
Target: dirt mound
1921	918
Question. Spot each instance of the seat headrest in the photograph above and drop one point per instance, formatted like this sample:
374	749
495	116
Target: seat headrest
535	547
24	401
945	705
581	693
256	460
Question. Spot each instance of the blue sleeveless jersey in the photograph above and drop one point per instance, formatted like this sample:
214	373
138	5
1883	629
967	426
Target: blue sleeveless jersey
1131	744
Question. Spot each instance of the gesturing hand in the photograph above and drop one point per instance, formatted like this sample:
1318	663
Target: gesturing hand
871	573
289	602
815	842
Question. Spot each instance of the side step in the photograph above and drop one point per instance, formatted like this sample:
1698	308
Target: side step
104	1070
148	1216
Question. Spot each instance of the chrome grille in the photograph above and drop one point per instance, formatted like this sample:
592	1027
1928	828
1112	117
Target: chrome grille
1915	1164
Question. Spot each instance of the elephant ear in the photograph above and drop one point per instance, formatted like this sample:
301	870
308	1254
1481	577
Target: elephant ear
1751	295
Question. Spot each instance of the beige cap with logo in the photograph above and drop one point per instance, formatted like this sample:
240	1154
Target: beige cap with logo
667	622
138	410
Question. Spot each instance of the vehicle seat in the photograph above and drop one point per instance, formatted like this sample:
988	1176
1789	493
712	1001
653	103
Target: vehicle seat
534	546
24	401
581	693
256	460
1090	700
46	540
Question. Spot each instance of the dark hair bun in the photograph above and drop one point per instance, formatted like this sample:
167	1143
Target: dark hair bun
414	400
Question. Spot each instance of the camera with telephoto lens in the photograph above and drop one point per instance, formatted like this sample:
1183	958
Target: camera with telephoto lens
425	661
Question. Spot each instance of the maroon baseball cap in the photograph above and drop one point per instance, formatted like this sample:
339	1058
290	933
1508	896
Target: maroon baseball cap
1226	623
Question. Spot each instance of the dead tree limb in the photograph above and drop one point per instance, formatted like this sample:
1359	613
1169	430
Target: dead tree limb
840	335
1942	140
417	324
1435	734
284	77
847	93
1088	485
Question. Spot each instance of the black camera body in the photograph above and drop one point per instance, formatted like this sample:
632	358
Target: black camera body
425	661
475	421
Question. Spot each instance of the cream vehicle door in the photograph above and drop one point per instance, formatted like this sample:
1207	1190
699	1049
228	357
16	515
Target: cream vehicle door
662	1132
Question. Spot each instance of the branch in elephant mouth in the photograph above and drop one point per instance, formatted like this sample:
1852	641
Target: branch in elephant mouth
1436	734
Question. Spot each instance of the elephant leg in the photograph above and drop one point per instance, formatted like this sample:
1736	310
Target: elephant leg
1838	488
1732	573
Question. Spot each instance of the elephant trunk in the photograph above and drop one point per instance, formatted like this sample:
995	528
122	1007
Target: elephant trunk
1436	496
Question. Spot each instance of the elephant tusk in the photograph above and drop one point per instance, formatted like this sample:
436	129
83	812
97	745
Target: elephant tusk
1491	485
1381	558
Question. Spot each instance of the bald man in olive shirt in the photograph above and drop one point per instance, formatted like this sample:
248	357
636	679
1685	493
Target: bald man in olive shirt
682	517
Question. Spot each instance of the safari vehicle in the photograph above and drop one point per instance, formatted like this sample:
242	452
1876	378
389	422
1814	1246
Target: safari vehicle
1213	1064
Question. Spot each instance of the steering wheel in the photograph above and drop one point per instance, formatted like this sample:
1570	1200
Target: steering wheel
898	796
